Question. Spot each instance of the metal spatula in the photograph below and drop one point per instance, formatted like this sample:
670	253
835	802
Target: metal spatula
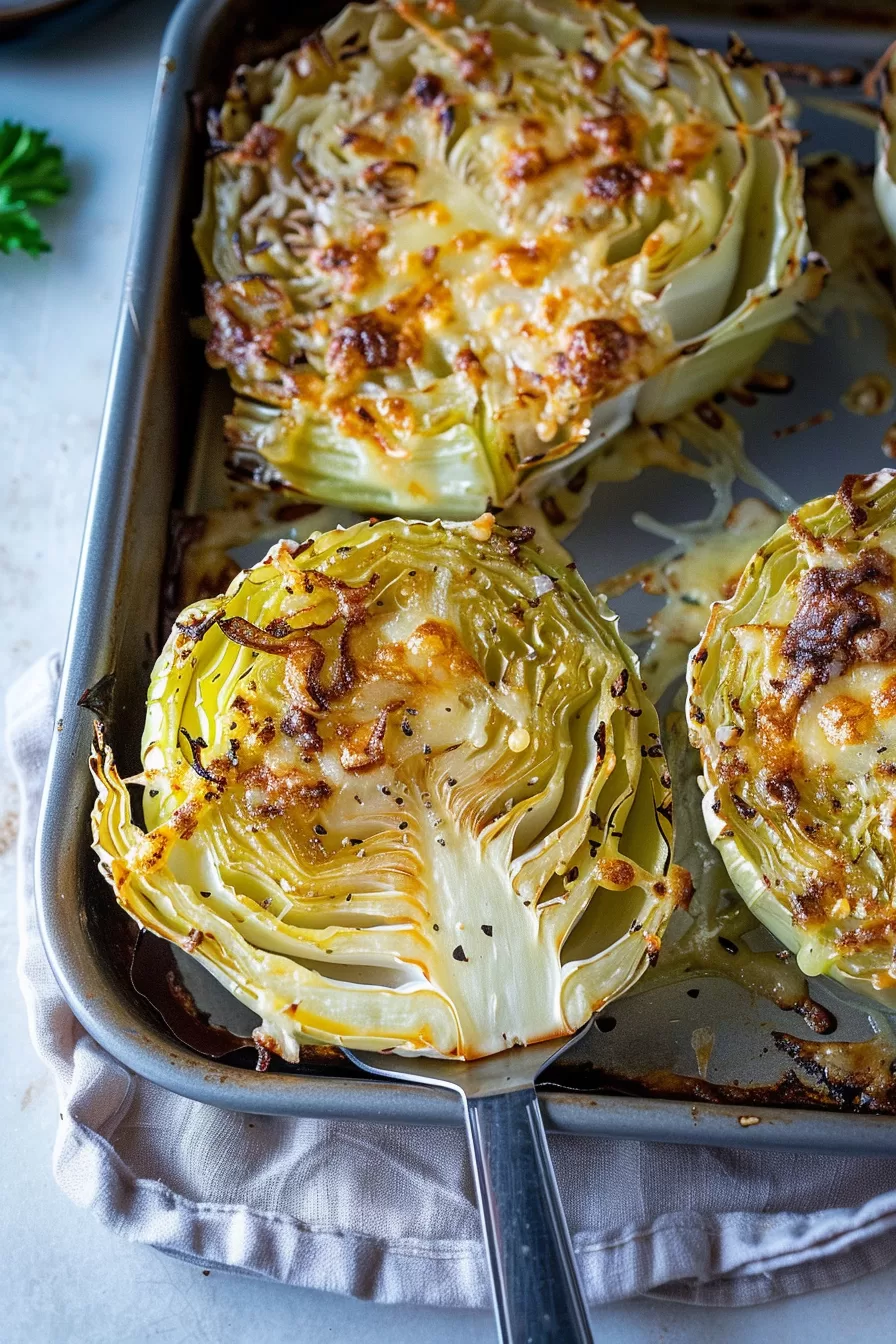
535	1283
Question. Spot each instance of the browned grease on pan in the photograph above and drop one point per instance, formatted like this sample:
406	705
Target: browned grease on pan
156	977
855	1076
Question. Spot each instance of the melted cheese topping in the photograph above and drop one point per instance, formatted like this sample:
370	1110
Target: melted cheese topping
707	571
848	726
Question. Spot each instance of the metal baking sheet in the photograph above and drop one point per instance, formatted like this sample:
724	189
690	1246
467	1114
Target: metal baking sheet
163	408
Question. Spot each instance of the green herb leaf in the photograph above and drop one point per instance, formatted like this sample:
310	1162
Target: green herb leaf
31	174
18	227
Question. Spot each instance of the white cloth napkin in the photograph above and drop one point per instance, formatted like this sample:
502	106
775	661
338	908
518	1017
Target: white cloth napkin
389	1213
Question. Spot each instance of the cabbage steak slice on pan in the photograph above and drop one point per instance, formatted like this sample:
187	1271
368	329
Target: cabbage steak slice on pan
793	707
402	789
452	248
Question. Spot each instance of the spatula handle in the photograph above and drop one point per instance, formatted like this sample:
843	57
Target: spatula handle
538	1298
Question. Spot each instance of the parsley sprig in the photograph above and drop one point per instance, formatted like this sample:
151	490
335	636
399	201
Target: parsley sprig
31	174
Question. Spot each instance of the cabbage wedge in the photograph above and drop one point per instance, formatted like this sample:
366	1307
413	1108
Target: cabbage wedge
792	704
452	249
402	790
885	166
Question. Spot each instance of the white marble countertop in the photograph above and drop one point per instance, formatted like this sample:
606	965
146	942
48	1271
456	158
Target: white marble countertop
66	1277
